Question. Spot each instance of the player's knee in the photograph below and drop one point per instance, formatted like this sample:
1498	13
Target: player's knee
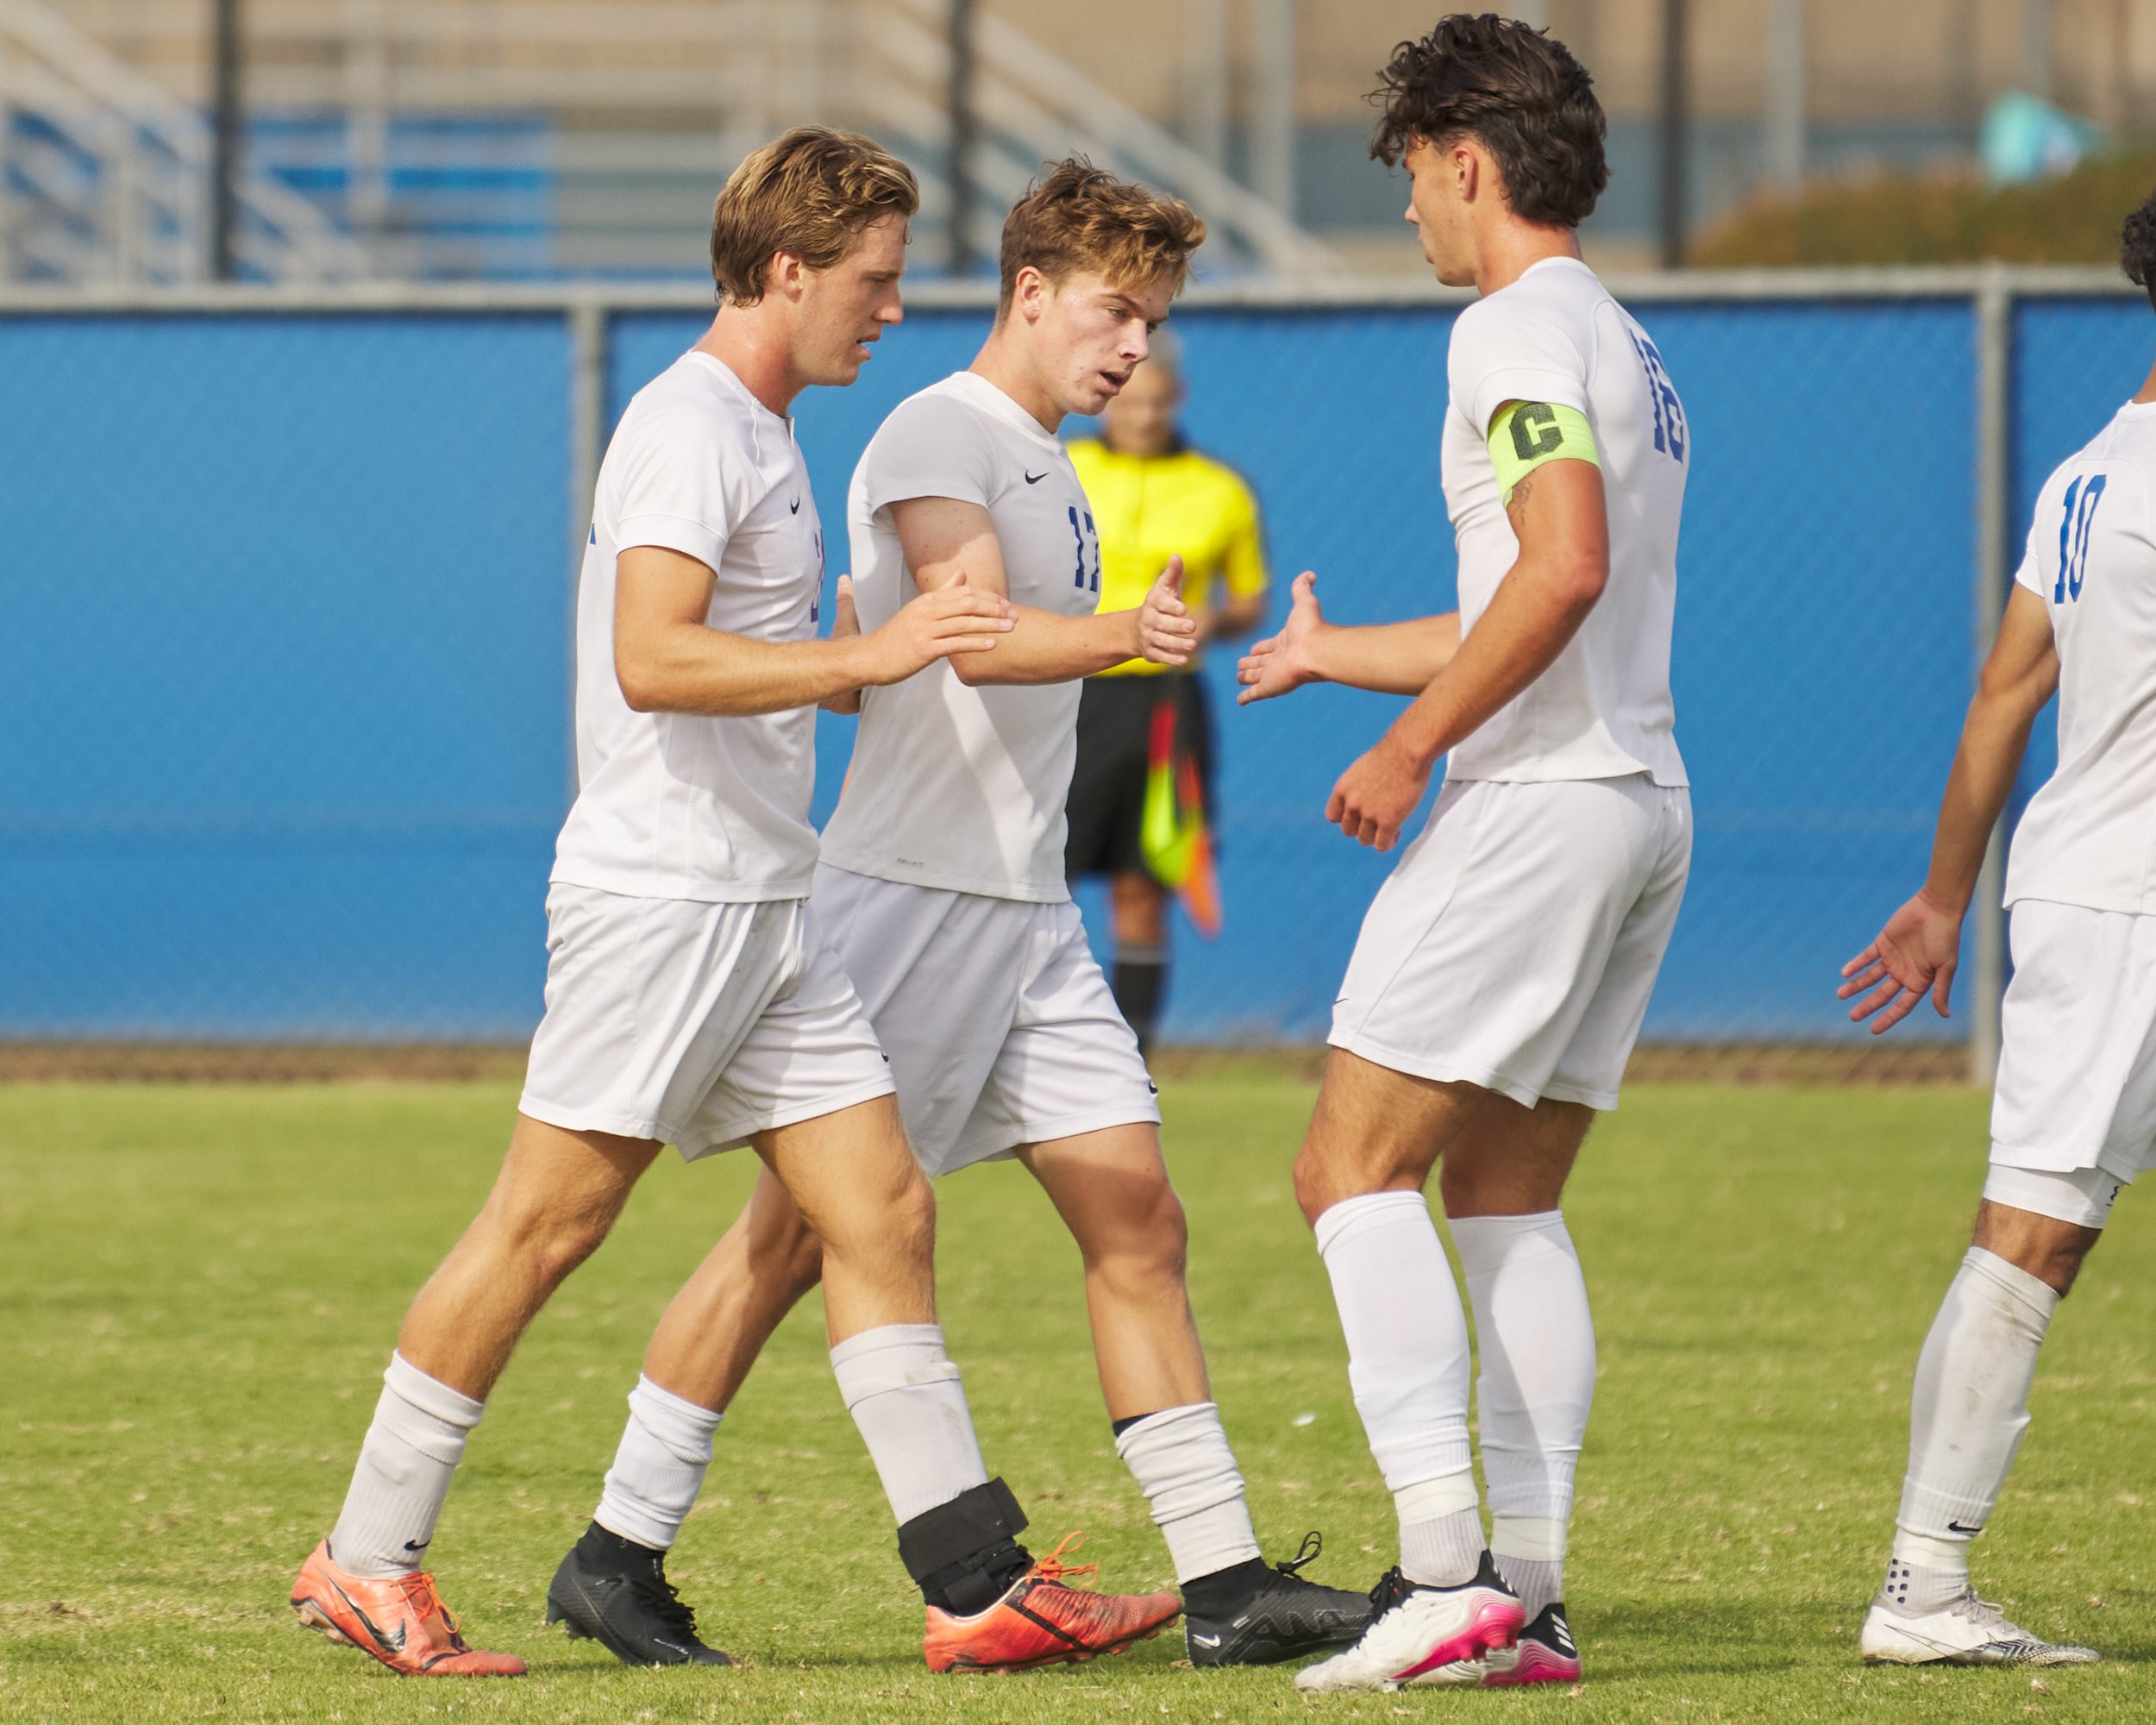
1312	1187
1322	1180
904	1228
1161	1242
553	1247
2049	1249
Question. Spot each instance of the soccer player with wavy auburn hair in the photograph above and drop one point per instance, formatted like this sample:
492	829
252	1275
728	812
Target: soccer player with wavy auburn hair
689	999
943	885
2073	1110
1502	972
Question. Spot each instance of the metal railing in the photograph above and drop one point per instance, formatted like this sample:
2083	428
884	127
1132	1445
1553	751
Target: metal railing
116	189
579	182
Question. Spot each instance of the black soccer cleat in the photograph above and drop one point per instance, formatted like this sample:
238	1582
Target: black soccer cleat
611	1590
1284	1618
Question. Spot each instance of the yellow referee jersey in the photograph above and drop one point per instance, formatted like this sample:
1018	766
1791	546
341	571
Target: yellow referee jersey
1149	508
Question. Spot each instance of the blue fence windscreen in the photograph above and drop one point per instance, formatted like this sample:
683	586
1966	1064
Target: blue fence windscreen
282	672
283	737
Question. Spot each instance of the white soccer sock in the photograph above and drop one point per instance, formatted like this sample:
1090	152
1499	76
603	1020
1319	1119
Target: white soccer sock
905	1396
1537	1382
1181	1462
1408	1363
406	1463
1967	1416
659	1468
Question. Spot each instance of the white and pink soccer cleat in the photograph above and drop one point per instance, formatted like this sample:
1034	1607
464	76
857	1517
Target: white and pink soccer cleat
1425	1635
1545	1652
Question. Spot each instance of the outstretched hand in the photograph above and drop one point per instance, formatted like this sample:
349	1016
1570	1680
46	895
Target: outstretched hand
1167	633
1280	664
1915	954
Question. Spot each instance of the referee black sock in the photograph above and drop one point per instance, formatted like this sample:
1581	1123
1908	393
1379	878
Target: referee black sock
1140	981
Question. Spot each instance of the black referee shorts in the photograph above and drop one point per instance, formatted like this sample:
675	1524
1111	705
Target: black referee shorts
1108	786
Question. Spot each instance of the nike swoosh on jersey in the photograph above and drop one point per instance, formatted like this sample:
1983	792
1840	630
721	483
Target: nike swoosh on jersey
1034	478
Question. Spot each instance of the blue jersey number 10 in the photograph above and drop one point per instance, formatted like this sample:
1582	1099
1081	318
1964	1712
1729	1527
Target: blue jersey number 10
2079	515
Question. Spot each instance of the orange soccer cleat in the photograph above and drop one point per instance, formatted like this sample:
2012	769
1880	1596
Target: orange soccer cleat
1043	1620
399	1620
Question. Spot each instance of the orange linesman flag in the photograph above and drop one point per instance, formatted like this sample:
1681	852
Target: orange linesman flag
1172	834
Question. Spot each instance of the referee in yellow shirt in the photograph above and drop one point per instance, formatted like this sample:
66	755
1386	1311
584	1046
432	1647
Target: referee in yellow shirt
1153	498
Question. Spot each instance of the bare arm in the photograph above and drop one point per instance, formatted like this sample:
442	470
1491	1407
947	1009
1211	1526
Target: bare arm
1920	949
1392	658
947	541
669	660
1560	520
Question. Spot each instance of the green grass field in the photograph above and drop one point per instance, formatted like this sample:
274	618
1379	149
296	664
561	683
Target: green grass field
200	1285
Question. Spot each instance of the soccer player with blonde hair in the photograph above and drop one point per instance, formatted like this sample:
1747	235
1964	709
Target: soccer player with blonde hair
942	886
690	997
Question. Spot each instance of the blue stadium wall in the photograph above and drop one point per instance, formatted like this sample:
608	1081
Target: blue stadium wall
284	643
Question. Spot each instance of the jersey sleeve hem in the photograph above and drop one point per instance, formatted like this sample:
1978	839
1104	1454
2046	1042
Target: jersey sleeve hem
881	497
1524	383
684	534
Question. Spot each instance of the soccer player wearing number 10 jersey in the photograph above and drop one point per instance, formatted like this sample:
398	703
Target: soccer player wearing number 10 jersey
1504	969
2073	1115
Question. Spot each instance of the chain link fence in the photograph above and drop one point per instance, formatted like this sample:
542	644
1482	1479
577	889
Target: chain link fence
283	669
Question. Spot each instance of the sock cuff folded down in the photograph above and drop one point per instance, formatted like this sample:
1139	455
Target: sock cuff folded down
430	1396
2039	1296
1352	1217
684	1427
1485	1244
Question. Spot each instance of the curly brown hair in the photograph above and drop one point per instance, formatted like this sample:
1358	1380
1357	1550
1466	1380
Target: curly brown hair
1078	216
1517	91
811	193
2137	247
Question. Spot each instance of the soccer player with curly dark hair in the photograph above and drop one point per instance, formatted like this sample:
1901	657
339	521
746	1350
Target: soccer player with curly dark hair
1503	971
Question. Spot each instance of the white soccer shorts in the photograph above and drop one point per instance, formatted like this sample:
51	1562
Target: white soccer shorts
694	1024
2077	1087
1000	1028
1516	943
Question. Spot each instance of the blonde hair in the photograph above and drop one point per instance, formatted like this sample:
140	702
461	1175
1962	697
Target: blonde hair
1081	217
809	193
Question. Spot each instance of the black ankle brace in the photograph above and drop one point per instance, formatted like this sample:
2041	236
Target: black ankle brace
610	1551
965	1554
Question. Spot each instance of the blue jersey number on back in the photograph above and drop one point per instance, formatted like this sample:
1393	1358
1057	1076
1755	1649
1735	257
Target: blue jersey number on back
2075	521
1669	411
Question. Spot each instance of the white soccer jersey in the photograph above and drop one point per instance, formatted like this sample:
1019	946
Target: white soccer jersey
2089	836
953	787
679	805
1602	709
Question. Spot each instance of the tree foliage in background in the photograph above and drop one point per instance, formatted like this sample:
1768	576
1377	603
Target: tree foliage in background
1937	218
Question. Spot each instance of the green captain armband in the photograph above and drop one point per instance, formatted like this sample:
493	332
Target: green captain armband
1528	434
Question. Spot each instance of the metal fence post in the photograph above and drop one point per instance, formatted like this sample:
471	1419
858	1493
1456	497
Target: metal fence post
590	326
1995	478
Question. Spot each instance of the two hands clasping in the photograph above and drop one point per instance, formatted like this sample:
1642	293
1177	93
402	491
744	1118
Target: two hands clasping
935	625
956	619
